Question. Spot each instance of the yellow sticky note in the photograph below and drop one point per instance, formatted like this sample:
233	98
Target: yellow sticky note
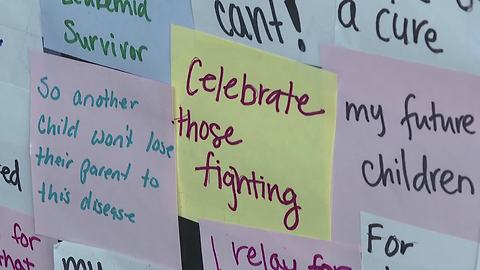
255	136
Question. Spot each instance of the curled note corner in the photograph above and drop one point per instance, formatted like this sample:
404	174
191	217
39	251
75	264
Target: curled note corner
57	246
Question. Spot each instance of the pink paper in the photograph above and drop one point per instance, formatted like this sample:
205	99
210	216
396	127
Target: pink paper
234	247
448	204
20	248
131	172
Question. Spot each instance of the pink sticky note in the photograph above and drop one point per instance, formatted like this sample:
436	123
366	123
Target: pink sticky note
103	159
415	159
20	247
234	247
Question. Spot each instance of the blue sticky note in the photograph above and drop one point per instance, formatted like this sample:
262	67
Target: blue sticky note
387	243
15	181
132	37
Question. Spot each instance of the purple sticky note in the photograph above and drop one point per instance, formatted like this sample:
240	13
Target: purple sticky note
103	159
235	247
20	247
406	146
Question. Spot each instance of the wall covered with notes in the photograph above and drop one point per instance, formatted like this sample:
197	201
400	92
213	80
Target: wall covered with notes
239	134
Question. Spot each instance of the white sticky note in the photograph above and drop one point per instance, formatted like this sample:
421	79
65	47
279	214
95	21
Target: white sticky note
294	29
69	255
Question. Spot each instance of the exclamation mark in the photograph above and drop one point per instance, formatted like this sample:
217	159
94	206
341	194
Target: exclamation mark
293	11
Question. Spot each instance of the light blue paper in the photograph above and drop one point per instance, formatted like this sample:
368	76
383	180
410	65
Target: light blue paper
457	32
21	15
316	18
19	31
430	250
137	31
14	55
71	255
14	145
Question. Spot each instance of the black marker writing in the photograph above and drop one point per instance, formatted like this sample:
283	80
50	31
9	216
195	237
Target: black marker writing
379	173
76	264
353	13
400	29
293	11
233	23
11	176
435	121
393	245
465	7
375	113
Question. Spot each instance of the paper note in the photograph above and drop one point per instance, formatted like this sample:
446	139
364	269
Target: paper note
103	159
23	15
234	247
129	35
75	256
406	145
254	136
387	244
440	33
19	31
294	29
15	181
20	247
374	262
